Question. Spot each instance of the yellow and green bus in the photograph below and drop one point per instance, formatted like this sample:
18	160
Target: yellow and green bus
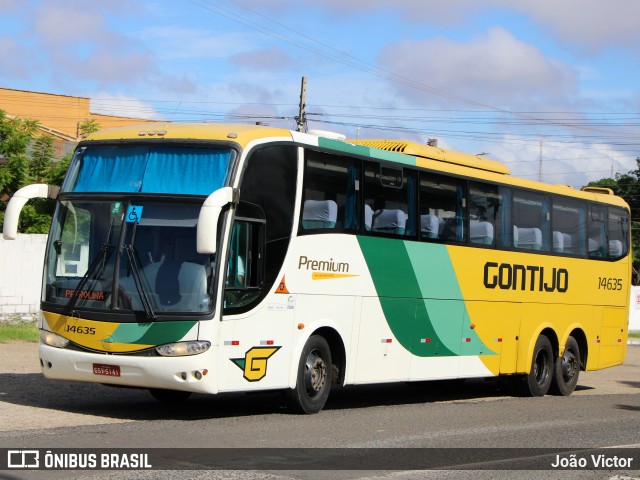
218	258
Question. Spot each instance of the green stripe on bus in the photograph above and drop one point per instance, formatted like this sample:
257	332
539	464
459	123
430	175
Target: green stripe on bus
366	151
436	323
157	333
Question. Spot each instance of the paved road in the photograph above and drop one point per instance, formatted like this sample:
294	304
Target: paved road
603	412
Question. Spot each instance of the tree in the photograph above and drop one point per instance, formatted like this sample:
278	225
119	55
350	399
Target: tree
29	159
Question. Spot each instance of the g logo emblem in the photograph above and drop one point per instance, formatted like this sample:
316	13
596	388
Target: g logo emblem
254	363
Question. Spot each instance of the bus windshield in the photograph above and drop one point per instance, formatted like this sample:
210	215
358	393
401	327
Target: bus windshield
137	255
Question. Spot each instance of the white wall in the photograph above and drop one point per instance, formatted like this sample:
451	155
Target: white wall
21	275
634	309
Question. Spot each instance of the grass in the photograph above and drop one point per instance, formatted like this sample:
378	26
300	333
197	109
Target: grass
18	331
635	334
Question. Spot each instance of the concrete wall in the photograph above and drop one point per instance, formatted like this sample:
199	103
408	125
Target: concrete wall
21	275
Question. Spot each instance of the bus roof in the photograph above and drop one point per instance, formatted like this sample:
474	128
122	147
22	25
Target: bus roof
238	133
435	153
402	151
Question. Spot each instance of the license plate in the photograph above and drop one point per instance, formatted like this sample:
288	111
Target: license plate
108	370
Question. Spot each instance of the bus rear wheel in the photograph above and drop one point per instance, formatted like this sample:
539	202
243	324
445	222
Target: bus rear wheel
567	369
538	381
313	380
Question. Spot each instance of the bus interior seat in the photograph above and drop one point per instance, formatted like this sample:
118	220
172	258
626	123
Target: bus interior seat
615	248
595	248
429	225
319	214
481	231
368	216
558	241
530	238
389	221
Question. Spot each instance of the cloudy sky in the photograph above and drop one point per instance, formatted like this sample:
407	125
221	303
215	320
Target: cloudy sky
550	88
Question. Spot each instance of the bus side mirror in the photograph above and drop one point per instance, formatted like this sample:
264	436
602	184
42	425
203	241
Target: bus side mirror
208	218
22	196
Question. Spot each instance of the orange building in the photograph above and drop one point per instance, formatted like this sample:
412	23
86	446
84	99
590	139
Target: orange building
58	115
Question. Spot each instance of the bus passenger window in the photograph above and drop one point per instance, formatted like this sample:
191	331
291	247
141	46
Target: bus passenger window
618	230
568	229
441	208
485	213
597	236
330	198
530	221
389	194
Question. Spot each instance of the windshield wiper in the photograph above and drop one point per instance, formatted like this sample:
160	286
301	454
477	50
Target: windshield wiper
137	280
101	258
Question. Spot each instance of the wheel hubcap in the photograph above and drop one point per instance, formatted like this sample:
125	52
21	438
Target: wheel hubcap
541	368
315	374
569	366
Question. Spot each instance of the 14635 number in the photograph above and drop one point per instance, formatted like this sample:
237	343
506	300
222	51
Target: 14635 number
606	283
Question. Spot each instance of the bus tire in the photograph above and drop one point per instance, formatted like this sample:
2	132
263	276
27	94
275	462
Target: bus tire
566	369
169	396
537	382
313	380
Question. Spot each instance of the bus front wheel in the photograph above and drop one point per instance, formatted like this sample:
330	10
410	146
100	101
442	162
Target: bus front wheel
313	380
566	369
538	381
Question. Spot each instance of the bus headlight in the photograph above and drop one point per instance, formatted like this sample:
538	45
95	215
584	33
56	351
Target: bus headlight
180	349
53	339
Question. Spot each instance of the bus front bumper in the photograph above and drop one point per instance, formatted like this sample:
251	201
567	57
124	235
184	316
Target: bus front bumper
193	373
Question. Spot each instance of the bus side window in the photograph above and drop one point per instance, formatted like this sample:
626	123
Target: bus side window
390	200
442	213
330	197
530	220
568	227
485	213
618	230
597	236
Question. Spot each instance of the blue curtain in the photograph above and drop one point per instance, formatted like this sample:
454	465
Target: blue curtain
460	213
546	215
507	229
351	204
178	170
411	198
112	170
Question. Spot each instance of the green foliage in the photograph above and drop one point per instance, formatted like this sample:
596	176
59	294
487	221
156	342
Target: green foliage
88	126
30	159
18	330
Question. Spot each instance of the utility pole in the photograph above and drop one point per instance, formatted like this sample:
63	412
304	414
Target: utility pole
540	158
301	119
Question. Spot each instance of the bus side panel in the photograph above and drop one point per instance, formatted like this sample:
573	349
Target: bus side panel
498	324
613	337
255	348
381	357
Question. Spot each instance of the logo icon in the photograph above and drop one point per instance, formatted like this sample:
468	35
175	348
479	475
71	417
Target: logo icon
254	363
23	459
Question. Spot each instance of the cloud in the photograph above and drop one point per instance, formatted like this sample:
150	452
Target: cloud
13	64
591	24
587	24
495	69
124	106
266	59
